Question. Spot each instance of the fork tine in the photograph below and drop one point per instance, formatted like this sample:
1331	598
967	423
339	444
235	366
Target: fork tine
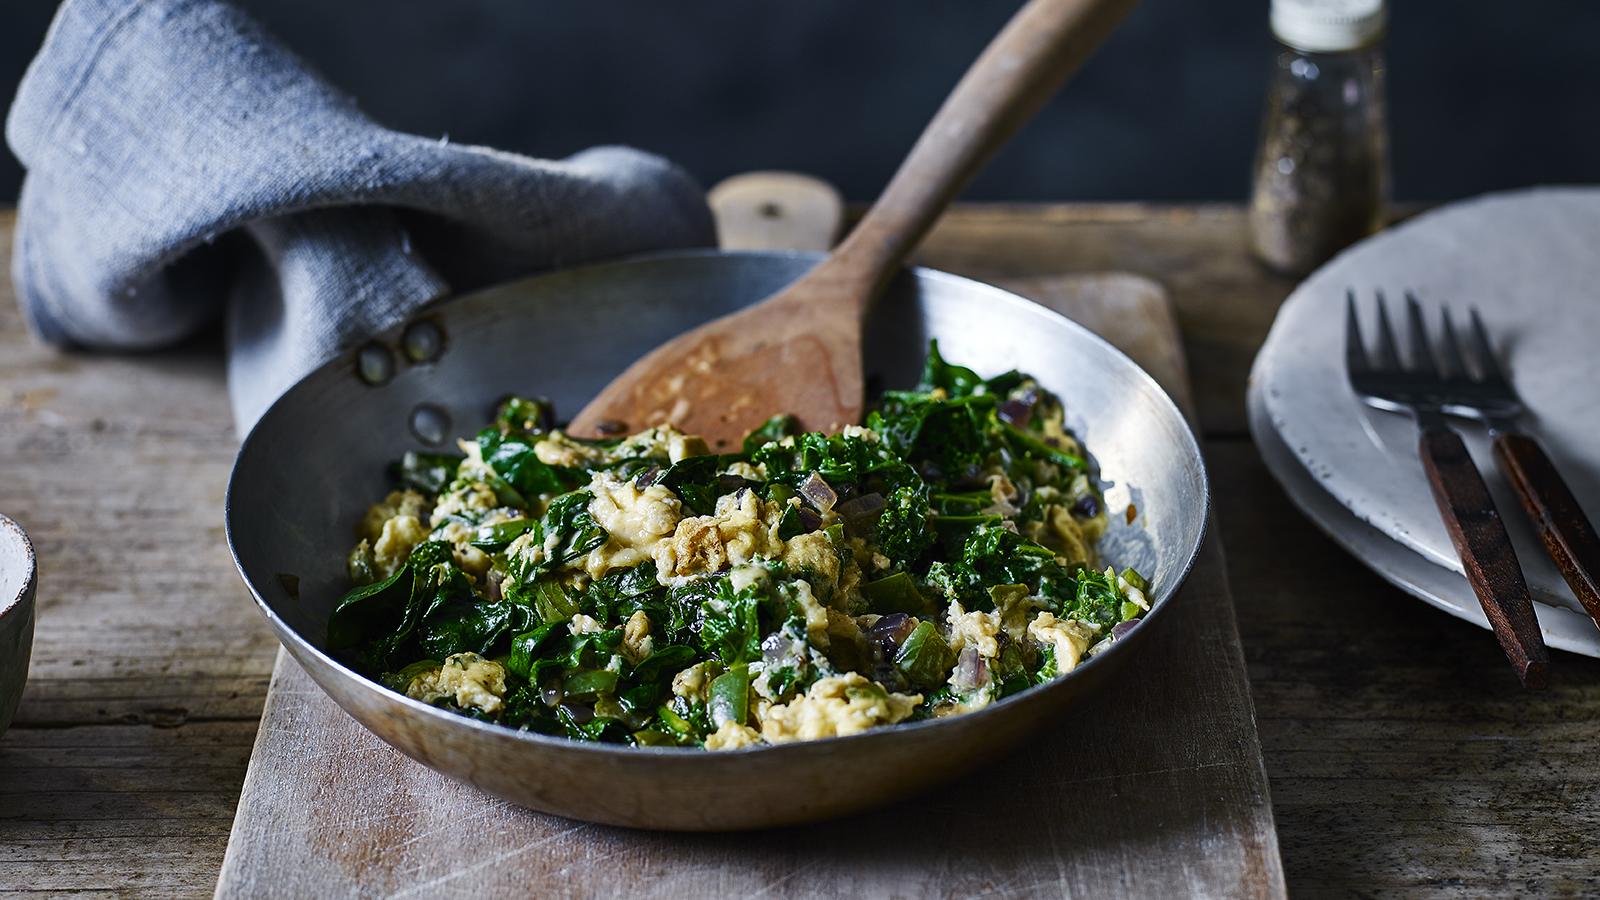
1355	350
1488	367
1421	354
1388	356
1455	364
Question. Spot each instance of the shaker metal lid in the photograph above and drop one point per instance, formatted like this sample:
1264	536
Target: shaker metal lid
1328	26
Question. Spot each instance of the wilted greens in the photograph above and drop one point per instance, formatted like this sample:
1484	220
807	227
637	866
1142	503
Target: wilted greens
644	590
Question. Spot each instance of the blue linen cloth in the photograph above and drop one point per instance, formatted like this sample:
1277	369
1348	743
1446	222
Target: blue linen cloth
182	165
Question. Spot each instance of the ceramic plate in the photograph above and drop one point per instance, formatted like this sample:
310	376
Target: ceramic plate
1563	629
1528	261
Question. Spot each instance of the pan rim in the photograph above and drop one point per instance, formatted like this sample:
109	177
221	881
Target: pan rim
297	644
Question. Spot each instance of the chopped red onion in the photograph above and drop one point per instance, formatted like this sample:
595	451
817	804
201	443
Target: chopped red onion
1122	628
891	631
1017	412
809	519
972	671
861	514
818	493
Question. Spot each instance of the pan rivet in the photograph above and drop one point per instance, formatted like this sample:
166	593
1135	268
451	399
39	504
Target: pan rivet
374	364
430	424
422	341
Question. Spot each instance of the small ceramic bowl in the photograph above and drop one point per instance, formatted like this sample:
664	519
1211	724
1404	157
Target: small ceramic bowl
18	578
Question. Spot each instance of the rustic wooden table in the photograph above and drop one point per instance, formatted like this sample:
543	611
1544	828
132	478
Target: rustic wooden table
1403	757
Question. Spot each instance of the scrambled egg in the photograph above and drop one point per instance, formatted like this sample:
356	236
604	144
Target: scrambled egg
582	624
813	557
662	441
731	736
393	529
694	682
470	497
816	614
742	527
979	629
559	450
459	536
834	706
1069	638
1003	496
1013	607
465	678
636	640
635	520
1063	534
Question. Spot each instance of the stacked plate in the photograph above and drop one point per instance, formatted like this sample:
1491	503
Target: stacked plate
1529	261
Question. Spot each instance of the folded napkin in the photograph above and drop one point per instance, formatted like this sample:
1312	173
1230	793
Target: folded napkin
182	165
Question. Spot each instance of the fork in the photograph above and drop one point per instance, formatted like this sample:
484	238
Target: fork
1490	397
1416	386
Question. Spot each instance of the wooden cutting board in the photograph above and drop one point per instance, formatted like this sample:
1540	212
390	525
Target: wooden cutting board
1154	788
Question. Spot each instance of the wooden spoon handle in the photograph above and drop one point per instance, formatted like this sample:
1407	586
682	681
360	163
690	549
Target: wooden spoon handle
1486	554
1568	536
1046	41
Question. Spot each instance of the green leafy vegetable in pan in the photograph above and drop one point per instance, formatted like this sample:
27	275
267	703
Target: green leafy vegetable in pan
644	590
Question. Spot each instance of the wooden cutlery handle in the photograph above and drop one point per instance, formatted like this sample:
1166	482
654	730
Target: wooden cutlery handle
1486	553
1568	536
1046	41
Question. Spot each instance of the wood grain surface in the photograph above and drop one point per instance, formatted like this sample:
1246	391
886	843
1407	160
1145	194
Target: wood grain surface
1403	756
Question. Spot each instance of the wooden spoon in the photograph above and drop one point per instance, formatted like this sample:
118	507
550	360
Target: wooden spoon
799	351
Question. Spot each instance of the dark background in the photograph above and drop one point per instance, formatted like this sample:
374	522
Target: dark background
1484	94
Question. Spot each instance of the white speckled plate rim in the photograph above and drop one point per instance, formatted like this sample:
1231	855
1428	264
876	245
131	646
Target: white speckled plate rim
1528	261
1562	628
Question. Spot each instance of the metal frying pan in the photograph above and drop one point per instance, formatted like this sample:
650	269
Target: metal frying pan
313	463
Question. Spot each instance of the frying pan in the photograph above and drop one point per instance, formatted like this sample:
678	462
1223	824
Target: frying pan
308	470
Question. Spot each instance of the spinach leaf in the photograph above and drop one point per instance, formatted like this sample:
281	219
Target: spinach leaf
575	531
695	481
379	619
925	659
494	538
511	456
523	414
730	623
895	593
429	473
363	610
482	628
663	663
550	600
730	696
957	381
525	649
566	532
774	429
622	592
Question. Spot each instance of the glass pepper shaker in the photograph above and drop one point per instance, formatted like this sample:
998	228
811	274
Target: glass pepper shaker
1322	172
